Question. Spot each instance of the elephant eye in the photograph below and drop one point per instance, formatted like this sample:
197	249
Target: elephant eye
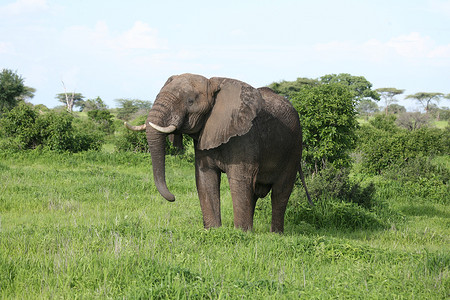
190	101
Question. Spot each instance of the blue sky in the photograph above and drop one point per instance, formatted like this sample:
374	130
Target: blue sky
127	49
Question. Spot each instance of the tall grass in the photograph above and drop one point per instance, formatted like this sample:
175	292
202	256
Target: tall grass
92	225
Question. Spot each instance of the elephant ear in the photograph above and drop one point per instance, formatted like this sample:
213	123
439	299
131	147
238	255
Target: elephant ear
236	105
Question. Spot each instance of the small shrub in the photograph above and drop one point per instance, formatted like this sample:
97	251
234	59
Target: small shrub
384	122
131	141
335	183
337	214
56	131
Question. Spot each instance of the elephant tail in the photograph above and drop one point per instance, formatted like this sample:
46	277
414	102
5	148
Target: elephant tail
302	178
135	128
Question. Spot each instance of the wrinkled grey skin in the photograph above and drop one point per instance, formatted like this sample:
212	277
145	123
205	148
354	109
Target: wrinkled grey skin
252	135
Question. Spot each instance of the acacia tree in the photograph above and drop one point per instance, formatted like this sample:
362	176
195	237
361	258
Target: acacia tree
366	107
359	85
426	98
128	107
388	95
93	104
288	88
12	89
69	99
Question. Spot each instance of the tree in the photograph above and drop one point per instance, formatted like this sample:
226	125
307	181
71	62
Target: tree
412	120
27	94
92	104
328	117
288	88
396	108
388	95
426	98
440	113
69	99
360	86
366	107
128	107
12	89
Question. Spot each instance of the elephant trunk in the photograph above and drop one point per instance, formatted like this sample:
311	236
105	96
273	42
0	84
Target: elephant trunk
157	146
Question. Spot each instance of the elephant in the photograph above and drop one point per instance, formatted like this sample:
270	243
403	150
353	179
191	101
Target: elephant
251	134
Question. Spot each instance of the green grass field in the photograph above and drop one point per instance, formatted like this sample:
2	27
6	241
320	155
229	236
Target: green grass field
92	225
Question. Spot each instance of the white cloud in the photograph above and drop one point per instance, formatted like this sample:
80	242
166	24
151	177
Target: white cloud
6	48
412	46
139	37
238	33
439	7
440	52
24	6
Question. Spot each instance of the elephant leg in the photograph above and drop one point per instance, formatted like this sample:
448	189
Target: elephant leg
208	188
244	202
280	196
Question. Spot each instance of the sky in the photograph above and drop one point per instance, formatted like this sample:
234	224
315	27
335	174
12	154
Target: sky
127	49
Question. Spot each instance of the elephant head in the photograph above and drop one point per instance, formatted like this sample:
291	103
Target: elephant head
210	110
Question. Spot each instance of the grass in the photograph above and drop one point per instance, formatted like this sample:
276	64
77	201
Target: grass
440	124
92	225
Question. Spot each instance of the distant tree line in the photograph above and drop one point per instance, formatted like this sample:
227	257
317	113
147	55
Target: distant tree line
328	108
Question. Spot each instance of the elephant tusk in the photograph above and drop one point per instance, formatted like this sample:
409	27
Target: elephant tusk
168	129
135	128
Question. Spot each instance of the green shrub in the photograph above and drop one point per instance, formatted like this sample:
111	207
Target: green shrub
56	131
18	127
384	122
134	141
335	183
328	117
131	141
383	149
421	178
103	118
340	201
24	128
336	214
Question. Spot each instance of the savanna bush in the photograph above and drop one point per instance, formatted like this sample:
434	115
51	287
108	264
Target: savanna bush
17	127
335	183
103	119
341	202
25	128
383	146
328	117
336	214
384	122
421	178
